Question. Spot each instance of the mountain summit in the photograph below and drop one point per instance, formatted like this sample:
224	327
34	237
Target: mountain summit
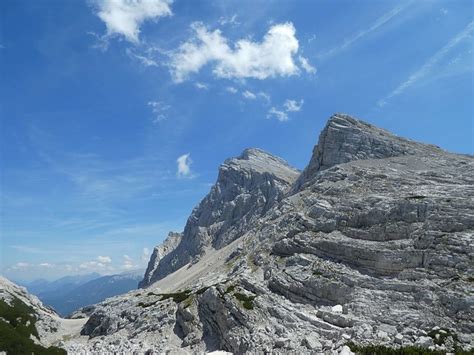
372	244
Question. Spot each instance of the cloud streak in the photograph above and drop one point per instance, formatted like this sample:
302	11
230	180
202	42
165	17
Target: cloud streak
427	67
379	22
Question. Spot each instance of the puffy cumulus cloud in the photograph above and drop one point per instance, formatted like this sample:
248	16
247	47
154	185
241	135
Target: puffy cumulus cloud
100	264
128	263
184	165
293	105
282	114
104	259
249	95
124	17
273	56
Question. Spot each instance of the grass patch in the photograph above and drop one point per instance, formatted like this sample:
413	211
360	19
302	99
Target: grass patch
247	301
17	325
383	350
202	290
440	335
146	305
176	296
415	197
230	289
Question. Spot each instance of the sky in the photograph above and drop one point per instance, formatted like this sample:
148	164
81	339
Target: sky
115	114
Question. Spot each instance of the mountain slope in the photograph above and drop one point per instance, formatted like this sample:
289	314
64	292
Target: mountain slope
246	188
371	244
91	292
26	326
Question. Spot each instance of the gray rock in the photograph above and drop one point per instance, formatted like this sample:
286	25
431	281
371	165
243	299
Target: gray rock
377	224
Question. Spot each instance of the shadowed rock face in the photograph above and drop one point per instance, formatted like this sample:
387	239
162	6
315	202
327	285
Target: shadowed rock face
246	188
372	243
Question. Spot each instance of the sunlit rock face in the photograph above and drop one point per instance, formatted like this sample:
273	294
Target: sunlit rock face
372	244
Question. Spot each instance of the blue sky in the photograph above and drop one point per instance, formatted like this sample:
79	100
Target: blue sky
116	114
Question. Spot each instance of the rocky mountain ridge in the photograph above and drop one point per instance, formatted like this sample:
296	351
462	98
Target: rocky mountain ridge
246	188
371	245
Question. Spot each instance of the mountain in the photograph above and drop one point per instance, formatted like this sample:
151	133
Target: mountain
369	248
45	289
246	188
27	326
81	291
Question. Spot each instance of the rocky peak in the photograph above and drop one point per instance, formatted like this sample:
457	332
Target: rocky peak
346	139
247	187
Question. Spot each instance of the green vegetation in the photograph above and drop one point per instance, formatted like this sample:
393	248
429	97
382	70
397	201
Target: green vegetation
230	289
247	301
415	197
202	290
383	350
17	325
177	296
440	335
146	305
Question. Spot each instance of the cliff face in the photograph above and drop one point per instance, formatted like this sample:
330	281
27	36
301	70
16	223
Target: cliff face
346	139
246	188
372	244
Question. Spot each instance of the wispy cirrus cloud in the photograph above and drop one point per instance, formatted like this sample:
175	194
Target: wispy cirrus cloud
428	67
159	110
376	25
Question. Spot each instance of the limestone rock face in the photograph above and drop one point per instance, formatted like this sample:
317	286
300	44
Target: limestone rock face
346	139
49	328
246	188
372	244
159	252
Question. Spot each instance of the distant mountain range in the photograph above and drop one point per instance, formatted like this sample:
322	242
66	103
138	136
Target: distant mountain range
70	293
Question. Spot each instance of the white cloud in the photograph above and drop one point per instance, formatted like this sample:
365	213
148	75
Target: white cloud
232	90
46	265
281	116
232	20
145	255
145	60
249	95
95	266
21	266
293	105
306	65
184	165
104	259
273	56
202	86
427	68
378	23
124	17
128	263
288	107
159	110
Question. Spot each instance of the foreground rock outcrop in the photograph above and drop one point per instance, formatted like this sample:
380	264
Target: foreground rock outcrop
371	245
27	326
